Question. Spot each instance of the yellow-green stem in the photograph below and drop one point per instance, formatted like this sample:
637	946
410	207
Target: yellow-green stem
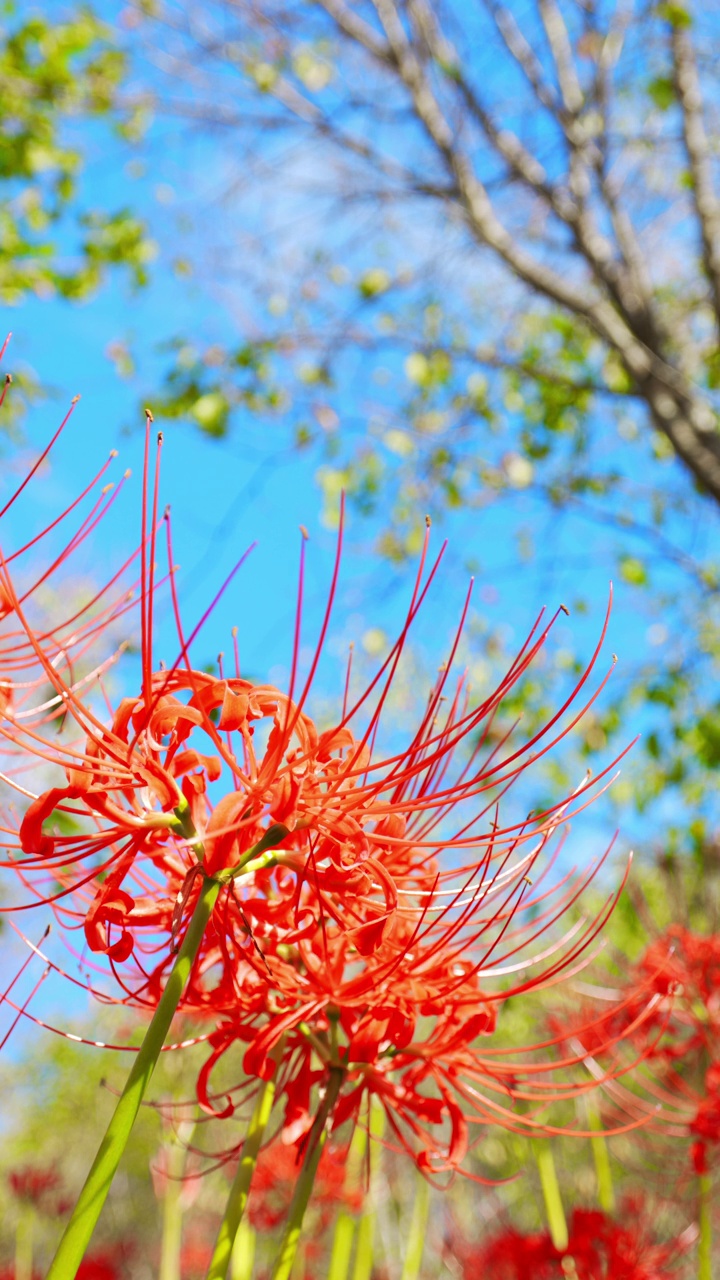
79	1229
418	1229
172	1216
24	1244
705	1240
601	1156
240	1188
343	1237
551	1194
345	1222
243	1254
171	1232
365	1252
304	1185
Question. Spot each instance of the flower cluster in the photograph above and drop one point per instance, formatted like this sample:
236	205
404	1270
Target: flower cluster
599	1248
273	1184
669	1012
40	1192
41	1188
372	911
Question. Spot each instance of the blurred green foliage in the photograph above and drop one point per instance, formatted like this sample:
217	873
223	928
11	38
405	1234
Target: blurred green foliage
54	77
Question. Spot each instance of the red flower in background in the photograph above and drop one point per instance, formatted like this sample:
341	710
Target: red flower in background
100	1266
41	1188
274	1182
33	1185
670	1011
599	1248
97	1266
705	1127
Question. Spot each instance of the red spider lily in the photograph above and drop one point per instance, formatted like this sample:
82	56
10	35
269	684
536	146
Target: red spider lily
374	912
38	1187
274	1180
669	1010
705	1127
195	1253
97	1266
140	784
406	1021
682	969
100	1266
599	1248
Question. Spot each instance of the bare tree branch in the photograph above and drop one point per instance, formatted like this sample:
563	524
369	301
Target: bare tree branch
597	269
707	206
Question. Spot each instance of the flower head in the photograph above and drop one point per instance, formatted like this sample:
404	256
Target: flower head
375	909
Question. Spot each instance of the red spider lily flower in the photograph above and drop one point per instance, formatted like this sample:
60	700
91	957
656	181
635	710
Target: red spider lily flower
97	1266
599	1248
408	1021
682	970
100	1266
375	912
705	1127
38	1187
140	782
196	1252
669	1011
274	1180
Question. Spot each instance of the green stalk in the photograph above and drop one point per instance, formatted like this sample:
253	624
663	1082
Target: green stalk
418	1230
304	1185
364	1254
243	1254
24	1244
172	1214
343	1237
79	1229
601	1156
705	1241
345	1222
240	1188
171	1229
551	1194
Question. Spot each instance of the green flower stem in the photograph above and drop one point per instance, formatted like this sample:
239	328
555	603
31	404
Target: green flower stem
172	1213
418	1231
243	1254
551	1194
24	1244
79	1229
251	861
345	1222
365	1252
240	1188
304	1185
601	1156
343	1237
705	1241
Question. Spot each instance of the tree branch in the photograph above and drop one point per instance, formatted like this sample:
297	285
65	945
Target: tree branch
707	207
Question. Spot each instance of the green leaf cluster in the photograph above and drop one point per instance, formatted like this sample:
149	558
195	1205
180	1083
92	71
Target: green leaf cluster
54	75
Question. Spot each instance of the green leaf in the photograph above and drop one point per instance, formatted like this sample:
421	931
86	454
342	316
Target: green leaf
676	14
633	571
662	92
211	411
